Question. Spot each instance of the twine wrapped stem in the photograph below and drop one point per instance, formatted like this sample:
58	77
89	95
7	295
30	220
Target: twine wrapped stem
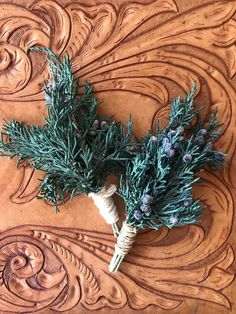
124	243
107	208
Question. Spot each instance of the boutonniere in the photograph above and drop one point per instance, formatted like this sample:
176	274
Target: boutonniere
158	186
75	147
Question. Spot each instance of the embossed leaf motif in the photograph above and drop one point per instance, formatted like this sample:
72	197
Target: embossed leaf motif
146	50
43	267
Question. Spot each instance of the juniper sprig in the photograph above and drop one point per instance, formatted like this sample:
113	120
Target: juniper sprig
157	188
75	147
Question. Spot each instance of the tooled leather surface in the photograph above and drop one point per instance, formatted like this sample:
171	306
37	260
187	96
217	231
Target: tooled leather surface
138	55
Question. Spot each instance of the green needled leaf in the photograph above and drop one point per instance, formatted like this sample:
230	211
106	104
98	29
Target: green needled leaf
75	147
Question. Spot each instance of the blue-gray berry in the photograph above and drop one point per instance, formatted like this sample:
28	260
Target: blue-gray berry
170	153
187	158
167	146
171	133
203	131
208	146
95	124
181	138
180	130
104	125
138	215
188	202
148	212
199	140
147	199
165	140
219	155
145	208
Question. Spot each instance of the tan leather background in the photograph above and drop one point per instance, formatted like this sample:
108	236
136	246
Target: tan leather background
138	54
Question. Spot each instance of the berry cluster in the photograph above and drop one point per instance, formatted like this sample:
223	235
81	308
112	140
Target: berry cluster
172	141
200	138
98	125
145	207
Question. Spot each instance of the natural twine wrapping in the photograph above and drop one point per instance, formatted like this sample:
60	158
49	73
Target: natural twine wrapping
105	203
125	239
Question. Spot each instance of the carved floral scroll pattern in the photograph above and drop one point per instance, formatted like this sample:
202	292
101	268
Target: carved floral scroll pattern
118	49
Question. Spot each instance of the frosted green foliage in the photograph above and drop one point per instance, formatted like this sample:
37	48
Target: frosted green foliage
167	167
75	147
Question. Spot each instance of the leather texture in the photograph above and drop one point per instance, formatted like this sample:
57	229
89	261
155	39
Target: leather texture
138	54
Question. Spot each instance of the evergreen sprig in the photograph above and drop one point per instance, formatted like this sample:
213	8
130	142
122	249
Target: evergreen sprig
157	188
75	147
